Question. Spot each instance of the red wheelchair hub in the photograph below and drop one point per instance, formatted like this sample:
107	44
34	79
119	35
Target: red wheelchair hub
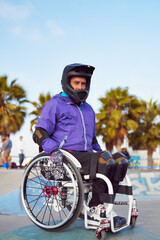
48	191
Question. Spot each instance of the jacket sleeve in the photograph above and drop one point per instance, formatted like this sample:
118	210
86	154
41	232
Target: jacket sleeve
47	121
95	143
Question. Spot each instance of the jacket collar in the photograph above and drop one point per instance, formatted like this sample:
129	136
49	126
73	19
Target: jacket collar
63	94
67	99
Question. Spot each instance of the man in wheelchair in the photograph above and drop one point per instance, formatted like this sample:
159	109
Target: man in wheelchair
67	121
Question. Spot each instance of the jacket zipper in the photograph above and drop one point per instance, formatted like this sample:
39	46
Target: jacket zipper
84	128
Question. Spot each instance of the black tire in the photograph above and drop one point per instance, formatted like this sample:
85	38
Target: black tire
102	235
42	195
133	222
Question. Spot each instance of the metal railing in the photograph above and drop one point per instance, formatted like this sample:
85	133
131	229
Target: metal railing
134	162
144	163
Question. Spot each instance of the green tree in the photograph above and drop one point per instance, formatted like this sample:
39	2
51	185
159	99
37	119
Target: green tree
147	135
38	107
118	115
12	109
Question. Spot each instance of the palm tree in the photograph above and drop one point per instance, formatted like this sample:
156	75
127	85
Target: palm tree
147	135
118	115
38	107
12	109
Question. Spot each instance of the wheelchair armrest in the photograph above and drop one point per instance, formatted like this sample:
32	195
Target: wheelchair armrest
71	158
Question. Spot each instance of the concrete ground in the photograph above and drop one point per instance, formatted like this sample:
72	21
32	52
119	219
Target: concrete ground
18	227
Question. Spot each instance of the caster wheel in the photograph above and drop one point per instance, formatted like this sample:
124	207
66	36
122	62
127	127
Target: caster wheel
133	222
102	235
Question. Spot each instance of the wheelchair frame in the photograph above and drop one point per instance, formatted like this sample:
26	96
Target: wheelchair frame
47	198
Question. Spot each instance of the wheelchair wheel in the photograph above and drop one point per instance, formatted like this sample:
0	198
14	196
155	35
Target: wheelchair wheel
52	194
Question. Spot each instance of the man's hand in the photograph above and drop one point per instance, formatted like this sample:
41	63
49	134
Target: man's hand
57	157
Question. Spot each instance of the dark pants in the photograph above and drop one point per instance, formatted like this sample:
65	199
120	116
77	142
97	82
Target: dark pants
21	158
99	186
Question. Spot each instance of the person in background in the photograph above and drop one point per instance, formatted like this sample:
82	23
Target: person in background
1	152
6	148
21	151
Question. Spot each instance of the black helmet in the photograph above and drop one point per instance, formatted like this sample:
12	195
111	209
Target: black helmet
74	70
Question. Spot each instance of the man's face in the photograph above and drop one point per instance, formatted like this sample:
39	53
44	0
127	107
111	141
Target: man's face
78	83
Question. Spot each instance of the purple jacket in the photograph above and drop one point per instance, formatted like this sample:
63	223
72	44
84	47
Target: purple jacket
61	118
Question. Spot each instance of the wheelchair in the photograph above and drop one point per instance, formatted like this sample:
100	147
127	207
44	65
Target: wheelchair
55	194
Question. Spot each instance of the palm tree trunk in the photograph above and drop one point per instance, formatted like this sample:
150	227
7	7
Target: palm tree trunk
149	155
119	144
109	147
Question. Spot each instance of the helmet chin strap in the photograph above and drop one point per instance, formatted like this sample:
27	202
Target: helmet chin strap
82	95
76	102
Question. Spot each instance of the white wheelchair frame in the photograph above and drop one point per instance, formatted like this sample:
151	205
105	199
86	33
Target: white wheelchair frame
104	224
132	211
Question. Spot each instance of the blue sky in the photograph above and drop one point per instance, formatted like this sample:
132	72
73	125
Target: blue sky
121	38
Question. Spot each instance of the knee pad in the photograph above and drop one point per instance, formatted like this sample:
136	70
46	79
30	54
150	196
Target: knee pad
120	168
107	167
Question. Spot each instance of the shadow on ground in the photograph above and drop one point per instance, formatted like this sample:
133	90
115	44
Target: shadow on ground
76	232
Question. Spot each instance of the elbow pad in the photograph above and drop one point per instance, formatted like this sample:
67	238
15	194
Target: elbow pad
40	135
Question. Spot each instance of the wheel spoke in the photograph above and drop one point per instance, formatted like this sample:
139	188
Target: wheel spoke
33	187
35	181
36	201
51	213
